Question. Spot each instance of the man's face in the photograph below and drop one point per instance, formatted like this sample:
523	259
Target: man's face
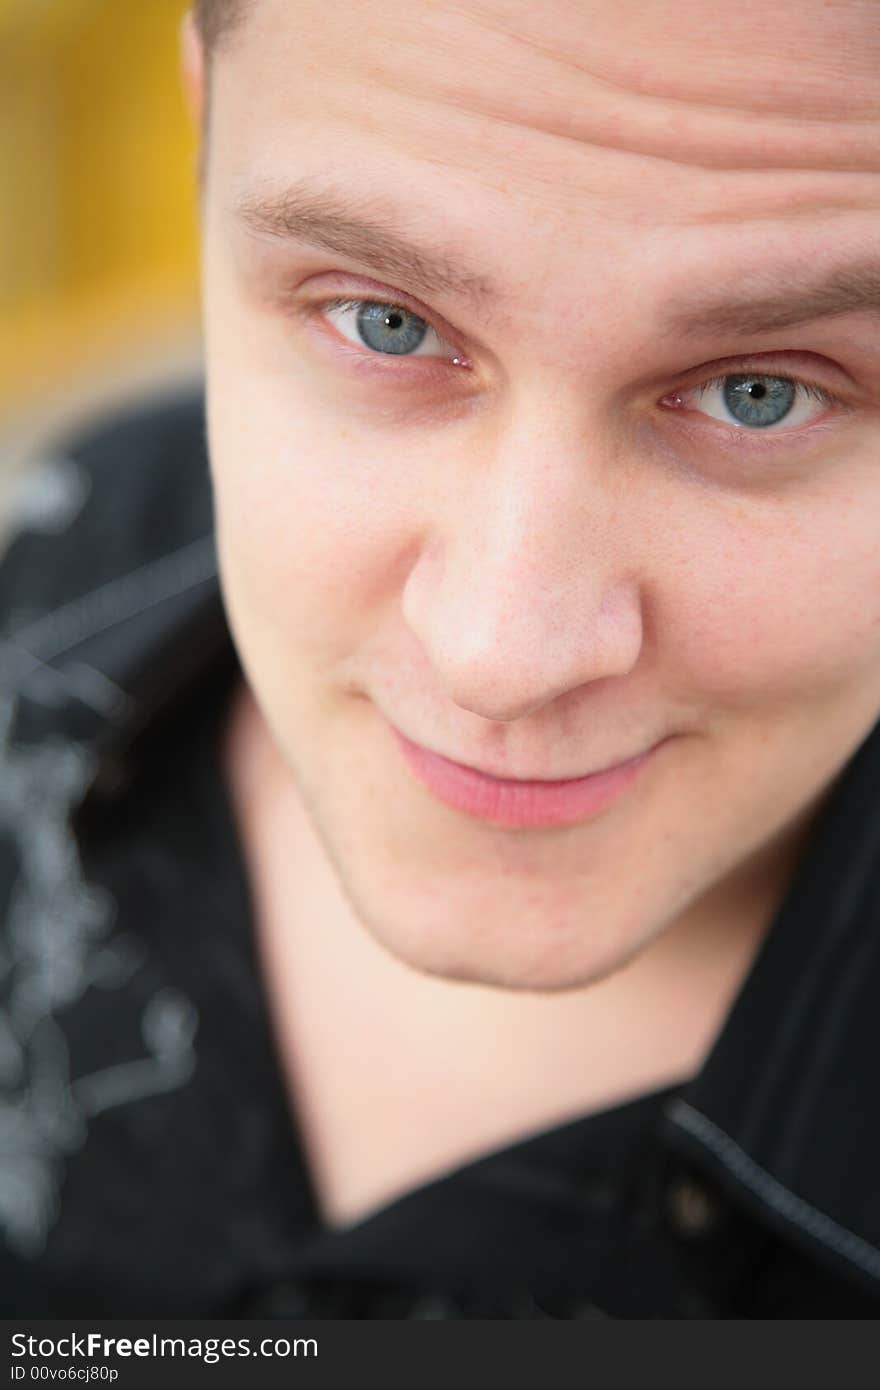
610	483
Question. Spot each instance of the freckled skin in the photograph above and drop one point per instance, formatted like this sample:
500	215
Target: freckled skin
551	571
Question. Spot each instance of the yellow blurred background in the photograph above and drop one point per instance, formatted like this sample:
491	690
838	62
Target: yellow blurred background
98	258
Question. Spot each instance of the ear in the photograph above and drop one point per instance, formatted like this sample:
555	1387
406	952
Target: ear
192	67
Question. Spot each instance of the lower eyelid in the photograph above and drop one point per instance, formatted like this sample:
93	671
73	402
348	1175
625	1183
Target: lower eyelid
380	369
351	302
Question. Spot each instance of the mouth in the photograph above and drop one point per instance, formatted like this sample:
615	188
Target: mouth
515	803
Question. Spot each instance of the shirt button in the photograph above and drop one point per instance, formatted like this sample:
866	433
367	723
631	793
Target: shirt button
693	1212
286	1300
433	1307
585	1310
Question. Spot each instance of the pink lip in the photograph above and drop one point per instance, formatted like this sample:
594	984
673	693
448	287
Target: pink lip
511	803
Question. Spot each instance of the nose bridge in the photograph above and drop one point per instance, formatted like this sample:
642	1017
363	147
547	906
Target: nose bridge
525	590
534	528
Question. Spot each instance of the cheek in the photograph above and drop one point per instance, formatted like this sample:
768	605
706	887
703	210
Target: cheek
781	605
296	483
312	517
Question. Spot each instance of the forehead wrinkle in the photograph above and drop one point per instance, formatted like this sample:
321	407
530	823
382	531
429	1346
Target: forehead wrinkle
700	143
832	192
564	97
757	105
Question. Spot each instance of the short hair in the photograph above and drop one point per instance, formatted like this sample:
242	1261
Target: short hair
216	19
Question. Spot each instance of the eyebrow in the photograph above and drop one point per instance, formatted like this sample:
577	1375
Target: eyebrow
845	290
360	231
357	228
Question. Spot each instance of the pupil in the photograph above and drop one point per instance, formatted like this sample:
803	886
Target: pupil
393	320
757	390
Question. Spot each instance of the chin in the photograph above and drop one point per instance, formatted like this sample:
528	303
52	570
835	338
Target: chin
527	960
454	912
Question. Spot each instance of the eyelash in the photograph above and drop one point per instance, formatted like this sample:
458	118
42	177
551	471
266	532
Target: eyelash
764	436
818	393
812	388
353	303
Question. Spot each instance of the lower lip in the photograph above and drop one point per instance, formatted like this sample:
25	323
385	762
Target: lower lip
519	803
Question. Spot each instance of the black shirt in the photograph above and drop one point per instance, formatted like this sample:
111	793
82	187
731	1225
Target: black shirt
149	1162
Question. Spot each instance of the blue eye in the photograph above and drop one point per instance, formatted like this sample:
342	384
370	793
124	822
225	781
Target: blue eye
759	401
755	401
386	328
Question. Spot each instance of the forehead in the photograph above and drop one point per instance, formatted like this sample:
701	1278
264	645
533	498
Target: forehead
792	85
584	112
556	64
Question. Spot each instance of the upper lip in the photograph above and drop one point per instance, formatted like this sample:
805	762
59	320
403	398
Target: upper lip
501	777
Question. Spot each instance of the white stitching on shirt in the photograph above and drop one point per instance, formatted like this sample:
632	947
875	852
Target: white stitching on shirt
47	496
58	938
56	945
57	942
134	592
55	685
771	1191
168	1026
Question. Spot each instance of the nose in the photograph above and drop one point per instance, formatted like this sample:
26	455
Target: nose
524	588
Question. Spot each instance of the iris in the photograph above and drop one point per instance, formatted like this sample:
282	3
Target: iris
390	328
758	400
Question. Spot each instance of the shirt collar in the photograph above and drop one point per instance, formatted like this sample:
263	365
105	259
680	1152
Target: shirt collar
787	1108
